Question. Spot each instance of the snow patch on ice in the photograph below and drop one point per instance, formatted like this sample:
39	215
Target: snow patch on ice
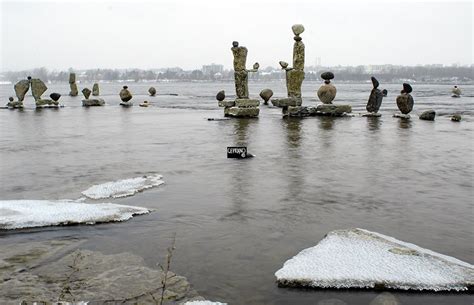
359	258
17	214
123	188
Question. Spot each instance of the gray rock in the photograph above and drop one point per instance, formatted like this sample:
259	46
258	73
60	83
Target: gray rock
286	102
266	94
375	82
152	91
37	88
405	103
21	88
241	84
327	75
95	89
74	91
456	118
327	93
11	99
55	96
294	80
92	102
428	115
371	114
256	66
407	88
385	298
401	116
245	103
283	64
297	29
375	98
226	103
333	110
125	95
242	112
126	104
72	78
46	103
86	92
220	96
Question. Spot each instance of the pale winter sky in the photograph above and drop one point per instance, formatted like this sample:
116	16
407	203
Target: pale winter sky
134	34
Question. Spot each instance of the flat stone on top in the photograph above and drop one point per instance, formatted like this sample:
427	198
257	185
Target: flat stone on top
243	102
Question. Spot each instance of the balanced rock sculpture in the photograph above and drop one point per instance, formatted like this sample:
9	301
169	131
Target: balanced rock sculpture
220	96
125	96
242	106
152	91
14	104
95	89
88	102
405	101
375	99
294	75
21	88
266	95
73	85
37	89
456	92
326	94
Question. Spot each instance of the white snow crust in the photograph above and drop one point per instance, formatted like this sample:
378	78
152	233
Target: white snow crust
358	258
17	214
123	188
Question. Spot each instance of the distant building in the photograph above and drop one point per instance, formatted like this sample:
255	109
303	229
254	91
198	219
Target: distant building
212	69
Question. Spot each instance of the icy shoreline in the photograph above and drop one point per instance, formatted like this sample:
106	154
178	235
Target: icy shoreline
123	188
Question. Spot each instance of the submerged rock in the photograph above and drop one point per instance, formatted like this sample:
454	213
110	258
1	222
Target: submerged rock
456	118
428	115
91	102
220	96
266	95
358	258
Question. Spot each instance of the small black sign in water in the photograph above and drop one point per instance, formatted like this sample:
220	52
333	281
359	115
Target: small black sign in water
238	152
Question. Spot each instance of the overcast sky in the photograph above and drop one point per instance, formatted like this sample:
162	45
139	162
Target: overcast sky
126	34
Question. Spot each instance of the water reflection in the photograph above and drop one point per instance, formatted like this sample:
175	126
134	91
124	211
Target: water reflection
241	127
373	123
293	129
404	123
293	169
327	122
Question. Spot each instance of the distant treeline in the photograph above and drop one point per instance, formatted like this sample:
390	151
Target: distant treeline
385	73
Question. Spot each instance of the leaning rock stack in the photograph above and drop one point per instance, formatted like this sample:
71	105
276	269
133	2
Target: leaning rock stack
88	102
375	99
72	85
21	88
405	101
37	89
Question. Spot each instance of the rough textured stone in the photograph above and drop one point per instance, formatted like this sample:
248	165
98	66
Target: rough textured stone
55	96
407	88
456	118
86	92
384	92
428	115
45	103
298	55
245	103
21	88
125	95
283	64
327	93
37	88
335	110
242	112
327	75
126	104
226	103
14	104
401	116
456	91
371	114
294	80
220	96
93	102
285	102
240	58
72	78
74	91
95	89
46	271
297	29
152	91
144	104
266	94
241	84
375	98
405	103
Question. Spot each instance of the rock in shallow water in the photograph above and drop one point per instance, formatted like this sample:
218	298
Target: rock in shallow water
327	93
220	96
428	115
456	118
91	102
21	88
152	91
125	94
87	92
358	258
266	94
405	103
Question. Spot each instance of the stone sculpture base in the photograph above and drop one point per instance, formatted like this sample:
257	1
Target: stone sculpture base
46	103
15	105
402	116
333	110
226	103
287	102
238	112
320	110
93	102
126	104
371	114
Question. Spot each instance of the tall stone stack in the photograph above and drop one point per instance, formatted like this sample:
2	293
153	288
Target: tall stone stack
21	88
294	75
37	89
326	94
242	106
95	89
375	100
73	85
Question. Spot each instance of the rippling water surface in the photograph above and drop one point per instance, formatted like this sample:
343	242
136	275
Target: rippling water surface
238	221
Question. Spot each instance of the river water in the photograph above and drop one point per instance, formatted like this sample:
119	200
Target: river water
238	221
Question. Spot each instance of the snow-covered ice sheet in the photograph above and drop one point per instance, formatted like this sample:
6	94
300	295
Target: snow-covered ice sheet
17	214
203	303
123	188
358	258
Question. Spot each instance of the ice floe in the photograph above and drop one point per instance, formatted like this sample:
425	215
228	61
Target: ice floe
123	188
358	258
17	214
